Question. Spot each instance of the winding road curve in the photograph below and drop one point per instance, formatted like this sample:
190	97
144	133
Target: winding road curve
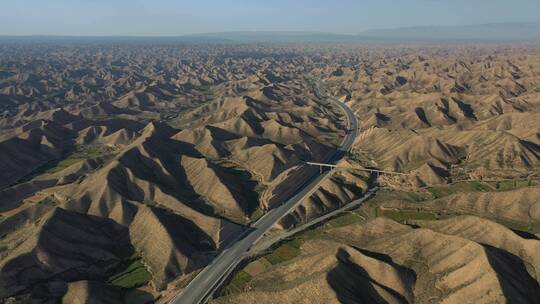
202	287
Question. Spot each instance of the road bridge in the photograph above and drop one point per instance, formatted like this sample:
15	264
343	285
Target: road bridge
335	166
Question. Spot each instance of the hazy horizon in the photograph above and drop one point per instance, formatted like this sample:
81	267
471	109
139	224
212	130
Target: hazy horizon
170	18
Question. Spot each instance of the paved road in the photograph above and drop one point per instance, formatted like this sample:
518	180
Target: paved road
201	288
267	243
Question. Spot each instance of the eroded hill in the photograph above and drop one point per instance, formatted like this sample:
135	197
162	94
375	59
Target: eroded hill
133	168
125	169
459	221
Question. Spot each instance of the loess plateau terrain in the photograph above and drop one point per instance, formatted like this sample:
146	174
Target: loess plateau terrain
125	168
458	218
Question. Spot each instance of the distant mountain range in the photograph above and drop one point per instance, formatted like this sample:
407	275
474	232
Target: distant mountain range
495	32
267	36
482	32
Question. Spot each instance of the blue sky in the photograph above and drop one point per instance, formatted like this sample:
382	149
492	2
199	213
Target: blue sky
168	17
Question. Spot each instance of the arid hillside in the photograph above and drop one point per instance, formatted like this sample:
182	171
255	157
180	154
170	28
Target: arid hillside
125	169
462	111
152	159
460	260
458	219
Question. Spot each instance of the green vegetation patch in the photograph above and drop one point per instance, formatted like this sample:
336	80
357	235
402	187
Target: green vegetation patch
508	185
384	195
479	186
241	278
417	196
372	208
311	234
237	284
345	220
295	243
459	187
134	275
533	228
63	164
285	252
81	153
405	215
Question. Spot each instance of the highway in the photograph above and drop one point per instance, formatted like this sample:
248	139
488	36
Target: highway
202	287
267	243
